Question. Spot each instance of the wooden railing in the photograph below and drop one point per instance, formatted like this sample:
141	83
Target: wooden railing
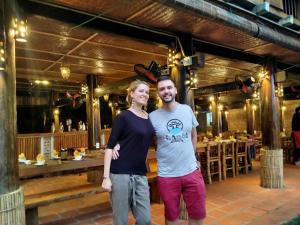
290	8
30	144
70	140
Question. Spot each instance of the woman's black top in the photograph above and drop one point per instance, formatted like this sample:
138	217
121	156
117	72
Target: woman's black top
134	134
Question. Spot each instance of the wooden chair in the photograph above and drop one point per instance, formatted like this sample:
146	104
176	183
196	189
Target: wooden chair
287	147
213	161
228	158
241	156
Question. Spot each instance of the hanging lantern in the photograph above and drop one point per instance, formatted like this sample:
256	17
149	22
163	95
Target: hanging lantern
65	71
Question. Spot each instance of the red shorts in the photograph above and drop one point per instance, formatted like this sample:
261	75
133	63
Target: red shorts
192	188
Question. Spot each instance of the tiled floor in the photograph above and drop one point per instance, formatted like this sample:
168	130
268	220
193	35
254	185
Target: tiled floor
232	202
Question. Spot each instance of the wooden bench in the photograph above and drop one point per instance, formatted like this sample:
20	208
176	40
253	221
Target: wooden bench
152	179
32	202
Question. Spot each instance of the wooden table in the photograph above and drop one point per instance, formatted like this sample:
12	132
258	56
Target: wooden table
54	167
57	167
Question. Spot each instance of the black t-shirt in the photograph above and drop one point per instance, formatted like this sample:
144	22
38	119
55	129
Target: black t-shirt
134	134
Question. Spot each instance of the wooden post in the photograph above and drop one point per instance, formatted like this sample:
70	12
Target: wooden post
271	154
93	114
281	114
179	73
202	119
94	125
12	210
224	121
215	116
249	116
184	95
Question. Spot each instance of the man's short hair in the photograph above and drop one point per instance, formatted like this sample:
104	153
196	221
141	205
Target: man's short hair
165	77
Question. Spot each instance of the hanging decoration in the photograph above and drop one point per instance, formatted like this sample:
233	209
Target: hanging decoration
65	71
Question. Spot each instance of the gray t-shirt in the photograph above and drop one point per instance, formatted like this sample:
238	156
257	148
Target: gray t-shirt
175	152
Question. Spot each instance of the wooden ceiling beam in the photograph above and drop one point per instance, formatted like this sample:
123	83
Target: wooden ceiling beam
71	64
230	53
99	43
96	22
70	51
78	57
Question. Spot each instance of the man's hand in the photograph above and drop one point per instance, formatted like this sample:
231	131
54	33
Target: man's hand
106	184
115	152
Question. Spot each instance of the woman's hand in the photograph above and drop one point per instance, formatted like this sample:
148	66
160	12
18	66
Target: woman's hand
106	184
115	152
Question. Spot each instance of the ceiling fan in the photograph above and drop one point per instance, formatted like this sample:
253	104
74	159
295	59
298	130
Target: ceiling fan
247	86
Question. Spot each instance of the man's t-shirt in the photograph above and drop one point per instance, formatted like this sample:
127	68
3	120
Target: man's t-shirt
175	151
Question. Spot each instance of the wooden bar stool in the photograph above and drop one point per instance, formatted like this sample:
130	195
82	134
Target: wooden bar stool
228	158
213	160
241	156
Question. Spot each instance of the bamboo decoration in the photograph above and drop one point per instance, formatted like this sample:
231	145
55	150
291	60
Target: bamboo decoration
12	211
271	168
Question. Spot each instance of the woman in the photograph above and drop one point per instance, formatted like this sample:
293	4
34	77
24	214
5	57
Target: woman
125	176
296	134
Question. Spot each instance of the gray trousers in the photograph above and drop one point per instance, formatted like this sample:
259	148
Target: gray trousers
130	192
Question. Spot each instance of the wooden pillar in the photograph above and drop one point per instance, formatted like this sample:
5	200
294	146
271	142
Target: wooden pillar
93	114
257	119
184	95
224	120
281	114
179	74
271	154
202	119
55	111
215	116
249	116
12	210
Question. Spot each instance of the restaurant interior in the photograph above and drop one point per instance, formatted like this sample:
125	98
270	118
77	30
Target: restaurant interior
75	60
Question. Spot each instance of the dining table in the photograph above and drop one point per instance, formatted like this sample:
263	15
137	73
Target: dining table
58	167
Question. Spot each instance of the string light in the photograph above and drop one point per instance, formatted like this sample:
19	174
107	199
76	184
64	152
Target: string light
171	57
20	30
262	74
84	89
279	90
95	102
2	57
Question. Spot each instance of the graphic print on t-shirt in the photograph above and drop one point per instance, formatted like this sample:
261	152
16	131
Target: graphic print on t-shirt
175	127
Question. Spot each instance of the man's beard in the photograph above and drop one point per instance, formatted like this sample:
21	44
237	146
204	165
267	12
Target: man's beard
169	100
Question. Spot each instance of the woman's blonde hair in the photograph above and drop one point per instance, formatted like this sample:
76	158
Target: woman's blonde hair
132	87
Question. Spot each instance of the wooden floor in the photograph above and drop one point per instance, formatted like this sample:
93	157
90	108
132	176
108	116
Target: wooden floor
232	202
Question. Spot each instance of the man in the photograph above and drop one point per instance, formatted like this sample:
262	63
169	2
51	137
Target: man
175	129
